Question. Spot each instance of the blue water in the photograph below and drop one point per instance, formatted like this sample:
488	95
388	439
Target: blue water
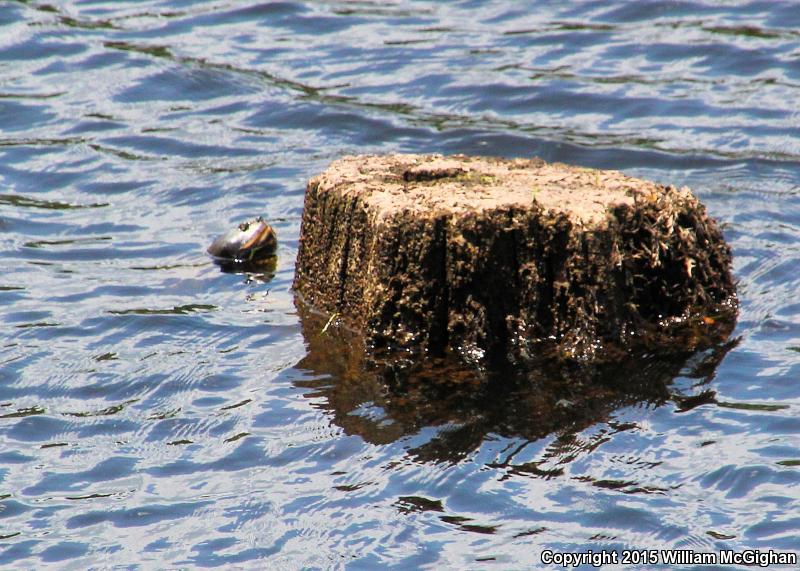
157	413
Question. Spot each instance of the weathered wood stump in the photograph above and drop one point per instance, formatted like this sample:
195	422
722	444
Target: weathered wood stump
503	259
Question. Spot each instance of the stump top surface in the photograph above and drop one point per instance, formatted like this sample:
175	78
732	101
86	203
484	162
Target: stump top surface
430	184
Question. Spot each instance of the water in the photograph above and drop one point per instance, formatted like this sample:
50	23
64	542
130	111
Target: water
158	413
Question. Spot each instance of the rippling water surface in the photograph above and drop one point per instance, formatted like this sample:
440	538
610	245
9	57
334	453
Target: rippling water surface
158	413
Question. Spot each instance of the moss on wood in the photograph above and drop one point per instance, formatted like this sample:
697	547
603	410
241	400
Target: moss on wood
504	260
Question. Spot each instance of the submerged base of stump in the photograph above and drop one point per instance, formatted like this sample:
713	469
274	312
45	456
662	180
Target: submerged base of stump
504	260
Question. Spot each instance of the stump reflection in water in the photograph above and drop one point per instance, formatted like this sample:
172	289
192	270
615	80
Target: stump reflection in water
382	401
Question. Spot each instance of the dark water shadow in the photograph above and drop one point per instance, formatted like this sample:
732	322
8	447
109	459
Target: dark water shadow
382	402
260	271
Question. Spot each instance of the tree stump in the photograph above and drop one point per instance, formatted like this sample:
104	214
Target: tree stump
497	259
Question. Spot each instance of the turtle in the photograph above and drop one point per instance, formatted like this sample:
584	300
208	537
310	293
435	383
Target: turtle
250	243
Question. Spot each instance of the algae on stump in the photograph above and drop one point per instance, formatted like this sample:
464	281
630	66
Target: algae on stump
497	259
